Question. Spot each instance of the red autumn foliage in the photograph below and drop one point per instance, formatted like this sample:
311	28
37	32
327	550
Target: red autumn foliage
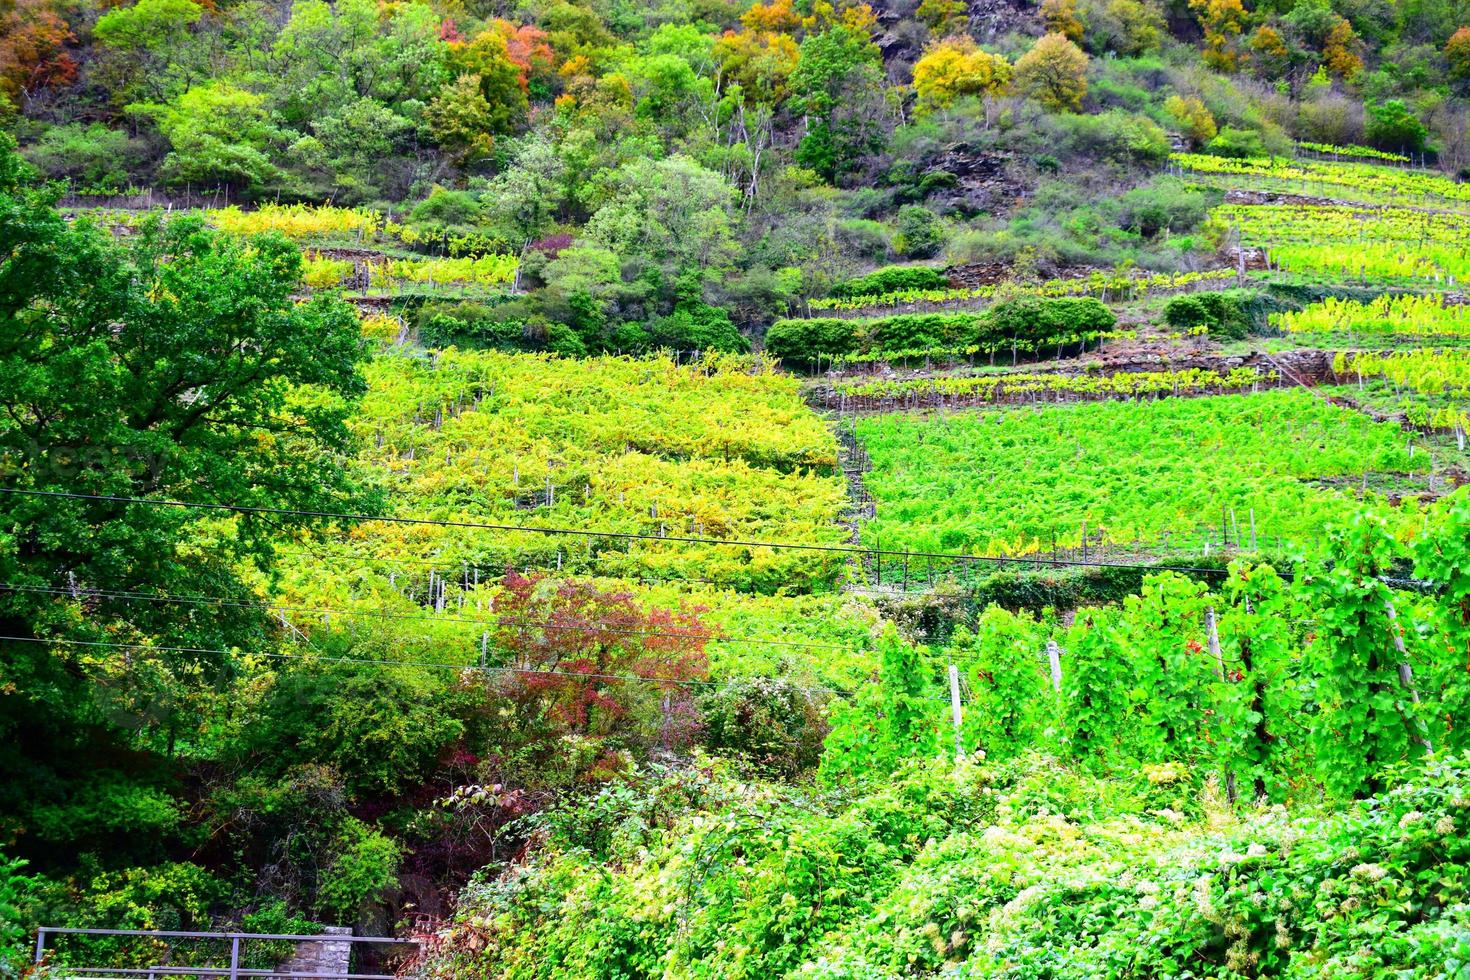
589	653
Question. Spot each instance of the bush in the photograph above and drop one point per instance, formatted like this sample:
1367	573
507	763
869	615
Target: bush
1166	205
921	331
1042	319
14	930
697	326
802	341
889	280
1391	126
1125	138
1239	143
767	720
93	157
920	234
473	325
446	212
364	865
383	732
864	237
1221	313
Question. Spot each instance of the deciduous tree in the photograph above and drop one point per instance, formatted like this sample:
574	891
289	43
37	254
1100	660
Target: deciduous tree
1054	73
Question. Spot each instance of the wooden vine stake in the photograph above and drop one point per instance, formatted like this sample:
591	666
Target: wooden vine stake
1213	633
954	710
1054	655
1406	673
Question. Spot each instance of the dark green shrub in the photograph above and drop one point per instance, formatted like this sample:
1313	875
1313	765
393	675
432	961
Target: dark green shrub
446	212
1126	138
1233	142
921	331
1391	126
1220	313
93	157
1044	319
803	341
767	720
473	325
1165	205
890	279
697	326
919	232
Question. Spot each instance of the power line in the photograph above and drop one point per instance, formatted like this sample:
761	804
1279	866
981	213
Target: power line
621	535
576	675
81	592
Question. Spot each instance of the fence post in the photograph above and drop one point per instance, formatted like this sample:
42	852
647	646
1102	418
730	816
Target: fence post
234	958
40	944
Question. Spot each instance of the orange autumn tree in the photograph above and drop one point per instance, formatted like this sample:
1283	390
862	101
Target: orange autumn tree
1340	50
529	49
1457	52
33	50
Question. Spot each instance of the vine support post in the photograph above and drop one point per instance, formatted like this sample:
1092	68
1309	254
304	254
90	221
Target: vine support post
954	711
1406	673
1212	632
1054	655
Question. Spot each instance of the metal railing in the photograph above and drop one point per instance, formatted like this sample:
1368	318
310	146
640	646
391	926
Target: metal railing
235	969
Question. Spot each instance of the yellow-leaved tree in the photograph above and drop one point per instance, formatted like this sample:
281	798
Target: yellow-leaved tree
1054	73
956	67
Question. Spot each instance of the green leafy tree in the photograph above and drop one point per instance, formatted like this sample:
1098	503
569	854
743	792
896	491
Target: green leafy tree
176	364
673	217
462	120
523	201
220	134
837	86
151	50
355	140
330	54
1392	126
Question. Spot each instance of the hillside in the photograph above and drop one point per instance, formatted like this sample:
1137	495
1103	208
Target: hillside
589	489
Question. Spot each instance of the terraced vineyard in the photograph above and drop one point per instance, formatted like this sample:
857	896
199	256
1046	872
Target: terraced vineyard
720	450
1026	481
1341	243
773	491
1367	182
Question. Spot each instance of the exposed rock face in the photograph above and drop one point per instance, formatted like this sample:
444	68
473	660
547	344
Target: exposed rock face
991	19
981	181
